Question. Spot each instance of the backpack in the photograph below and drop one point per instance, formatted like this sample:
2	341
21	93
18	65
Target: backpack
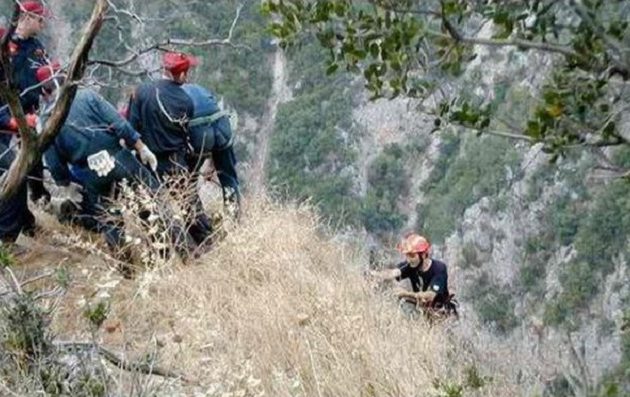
212	126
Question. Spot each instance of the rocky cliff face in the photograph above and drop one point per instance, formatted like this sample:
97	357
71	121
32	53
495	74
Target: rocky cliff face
489	251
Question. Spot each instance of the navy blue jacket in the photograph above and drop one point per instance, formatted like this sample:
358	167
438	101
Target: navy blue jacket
27	55
92	125
207	136
163	128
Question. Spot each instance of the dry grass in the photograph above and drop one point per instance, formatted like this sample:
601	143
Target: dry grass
278	309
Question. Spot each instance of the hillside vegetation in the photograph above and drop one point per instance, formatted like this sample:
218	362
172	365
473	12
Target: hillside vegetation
278	308
535	230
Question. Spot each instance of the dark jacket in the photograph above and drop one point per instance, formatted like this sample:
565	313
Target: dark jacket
160	112
27	55
206	136
92	125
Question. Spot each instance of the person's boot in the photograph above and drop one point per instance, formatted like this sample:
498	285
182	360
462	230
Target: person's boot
31	230
39	193
186	247
66	211
232	203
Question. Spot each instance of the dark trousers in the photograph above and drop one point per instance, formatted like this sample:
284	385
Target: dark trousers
93	215
199	227
15	216
224	162
36	182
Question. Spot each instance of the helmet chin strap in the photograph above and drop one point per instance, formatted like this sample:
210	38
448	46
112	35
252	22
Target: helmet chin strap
426	263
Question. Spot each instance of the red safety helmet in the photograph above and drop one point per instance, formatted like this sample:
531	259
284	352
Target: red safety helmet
414	244
178	62
35	7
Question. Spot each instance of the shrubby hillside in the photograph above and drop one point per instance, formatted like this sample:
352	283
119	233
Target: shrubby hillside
537	249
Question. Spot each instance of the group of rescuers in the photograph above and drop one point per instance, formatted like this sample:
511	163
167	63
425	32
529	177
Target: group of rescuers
169	126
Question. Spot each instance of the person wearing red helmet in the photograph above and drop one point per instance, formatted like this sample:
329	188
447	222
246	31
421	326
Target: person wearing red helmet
428	276
161	111
27	53
86	159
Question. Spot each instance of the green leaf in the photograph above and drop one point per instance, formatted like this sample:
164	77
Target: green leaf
340	9
610	129
533	129
374	50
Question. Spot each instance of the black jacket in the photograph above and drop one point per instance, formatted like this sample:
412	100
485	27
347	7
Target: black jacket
160	112
27	55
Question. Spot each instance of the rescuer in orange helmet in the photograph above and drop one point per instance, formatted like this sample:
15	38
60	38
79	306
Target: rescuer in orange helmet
428	276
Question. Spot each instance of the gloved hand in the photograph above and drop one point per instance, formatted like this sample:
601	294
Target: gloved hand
71	192
148	158
31	121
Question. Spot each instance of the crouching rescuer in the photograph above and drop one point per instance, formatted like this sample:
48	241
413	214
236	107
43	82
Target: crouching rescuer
428	277
86	158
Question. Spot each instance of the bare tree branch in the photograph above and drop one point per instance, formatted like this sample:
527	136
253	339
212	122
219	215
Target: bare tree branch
454	34
502	134
145	368
548	47
37	278
33	145
615	46
11	280
531	45
132	15
163	46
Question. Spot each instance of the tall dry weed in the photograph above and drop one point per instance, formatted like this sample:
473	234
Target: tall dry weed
279	309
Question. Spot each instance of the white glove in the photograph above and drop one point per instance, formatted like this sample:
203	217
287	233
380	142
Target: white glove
101	163
71	192
148	158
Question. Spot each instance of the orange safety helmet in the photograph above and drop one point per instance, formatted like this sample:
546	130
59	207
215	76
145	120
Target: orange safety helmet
414	244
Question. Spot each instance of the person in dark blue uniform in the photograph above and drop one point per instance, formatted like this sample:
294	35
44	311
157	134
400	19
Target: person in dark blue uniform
160	111
211	136
27	54
93	131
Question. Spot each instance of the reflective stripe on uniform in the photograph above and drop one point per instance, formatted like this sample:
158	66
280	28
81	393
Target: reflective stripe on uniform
208	119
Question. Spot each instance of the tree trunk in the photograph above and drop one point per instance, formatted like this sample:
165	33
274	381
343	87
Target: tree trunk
32	145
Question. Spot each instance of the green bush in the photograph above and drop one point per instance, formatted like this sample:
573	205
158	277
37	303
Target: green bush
494	305
604	229
538	250
471	257
539	180
579	284
312	144
388	184
449	148
479	170
563	216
